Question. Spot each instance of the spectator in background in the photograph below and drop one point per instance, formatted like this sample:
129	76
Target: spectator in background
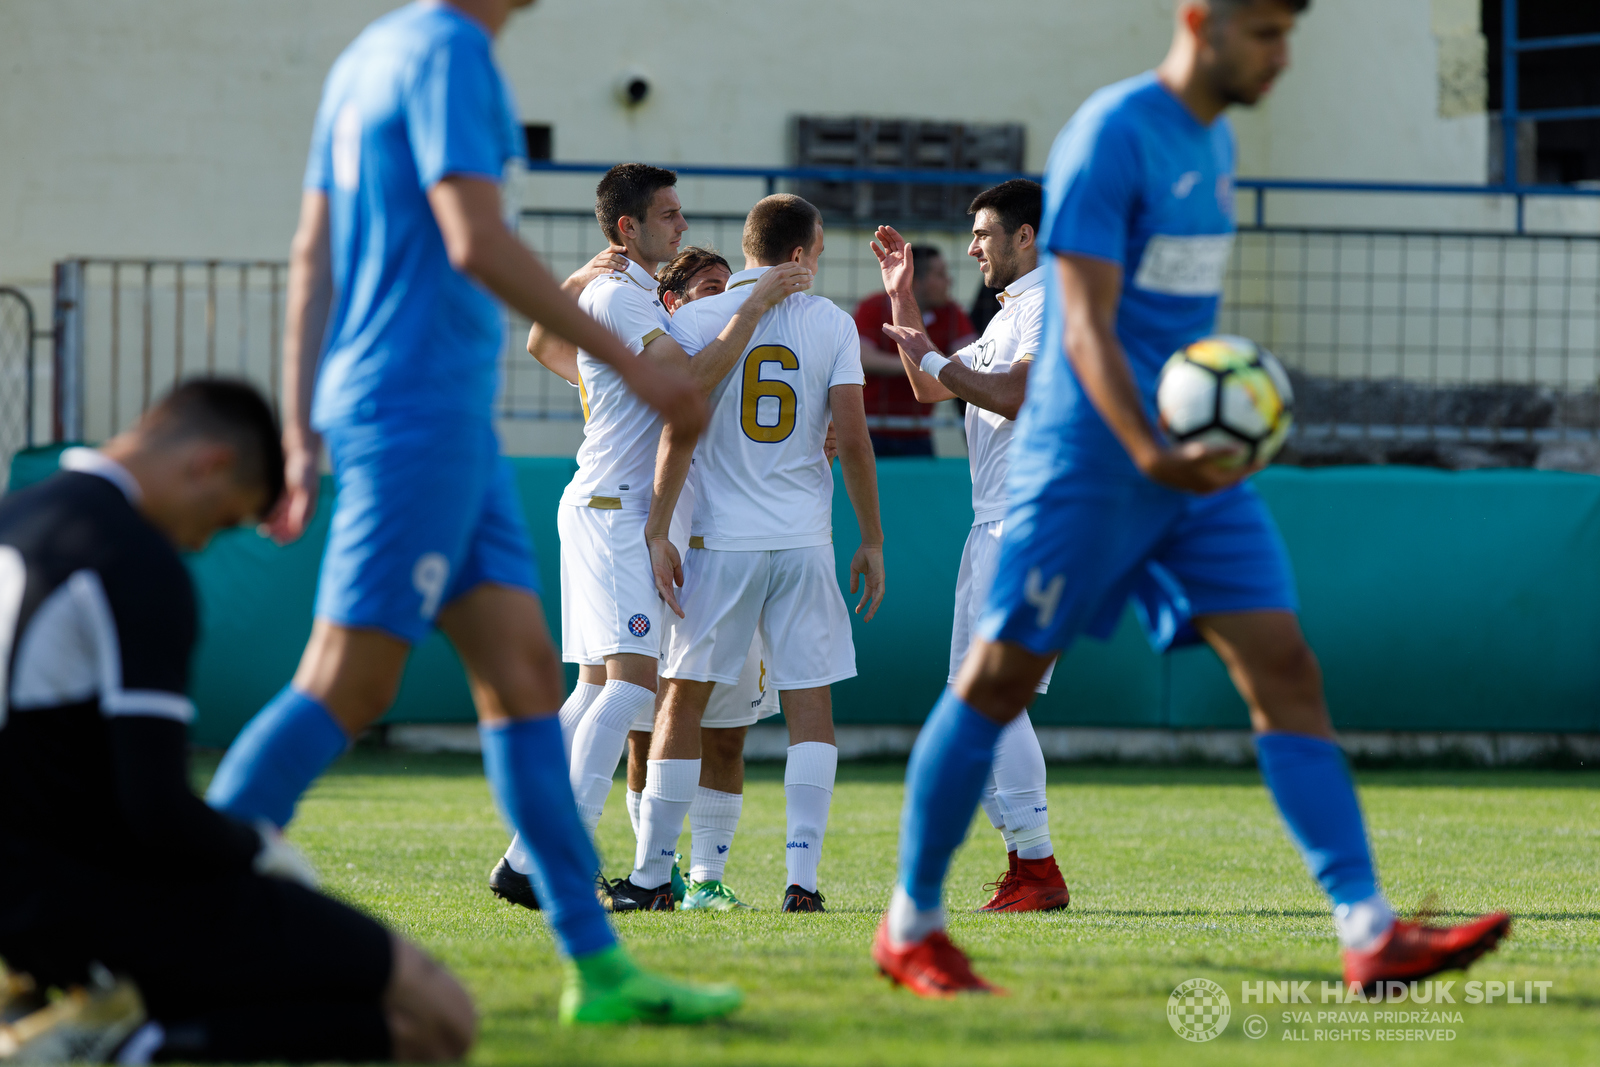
887	390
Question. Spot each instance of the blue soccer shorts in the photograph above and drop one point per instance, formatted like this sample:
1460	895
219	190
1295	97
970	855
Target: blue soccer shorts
425	513
1072	559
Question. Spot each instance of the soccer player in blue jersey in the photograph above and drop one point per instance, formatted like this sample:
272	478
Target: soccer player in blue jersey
1138	219
392	344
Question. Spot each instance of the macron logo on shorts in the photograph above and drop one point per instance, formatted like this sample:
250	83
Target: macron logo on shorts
639	625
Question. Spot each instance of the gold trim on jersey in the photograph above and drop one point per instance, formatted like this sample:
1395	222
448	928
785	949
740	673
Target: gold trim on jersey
583	398
606	503
1026	357
697	542
628	274
747	281
644	342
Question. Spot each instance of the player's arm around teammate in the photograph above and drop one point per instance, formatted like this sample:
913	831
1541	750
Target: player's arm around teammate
556	354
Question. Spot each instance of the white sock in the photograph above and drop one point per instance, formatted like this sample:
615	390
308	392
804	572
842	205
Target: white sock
907	923
668	791
1033	843
518	858
578	701
598	744
808	788
991	808
713	817
634	800
1019	778
1361	924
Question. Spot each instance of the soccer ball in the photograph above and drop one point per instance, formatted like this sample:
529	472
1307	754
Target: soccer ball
1227	391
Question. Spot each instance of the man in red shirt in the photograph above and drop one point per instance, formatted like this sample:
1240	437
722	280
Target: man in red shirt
888	392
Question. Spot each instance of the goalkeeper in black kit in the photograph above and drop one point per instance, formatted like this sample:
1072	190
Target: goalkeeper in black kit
174	932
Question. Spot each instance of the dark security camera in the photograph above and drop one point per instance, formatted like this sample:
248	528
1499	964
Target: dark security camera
633	88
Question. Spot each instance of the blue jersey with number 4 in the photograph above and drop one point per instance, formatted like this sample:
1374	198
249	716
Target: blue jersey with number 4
1136	180
416	98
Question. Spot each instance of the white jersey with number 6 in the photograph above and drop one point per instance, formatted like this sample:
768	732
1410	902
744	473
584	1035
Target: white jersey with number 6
761	481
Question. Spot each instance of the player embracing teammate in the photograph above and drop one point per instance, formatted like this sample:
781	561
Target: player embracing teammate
1138	219
761	544
610	611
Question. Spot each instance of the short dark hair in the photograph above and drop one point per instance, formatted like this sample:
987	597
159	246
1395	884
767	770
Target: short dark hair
627	189
1231	6
1016	203
675	276
777	225
920	254
232	412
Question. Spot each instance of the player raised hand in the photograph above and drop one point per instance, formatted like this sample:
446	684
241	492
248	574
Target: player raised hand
668	570
777	283
302	477
894	259
867	566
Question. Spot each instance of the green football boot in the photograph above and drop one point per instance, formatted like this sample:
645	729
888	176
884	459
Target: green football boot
608	987
679	886
712	896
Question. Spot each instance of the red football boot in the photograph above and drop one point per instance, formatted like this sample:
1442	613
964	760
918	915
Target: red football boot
1035	885
1411	950
932	967
1002	885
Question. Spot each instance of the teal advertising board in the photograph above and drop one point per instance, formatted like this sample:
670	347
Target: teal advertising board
1435	600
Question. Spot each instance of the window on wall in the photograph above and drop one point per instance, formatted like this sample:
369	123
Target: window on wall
1556	152
903	144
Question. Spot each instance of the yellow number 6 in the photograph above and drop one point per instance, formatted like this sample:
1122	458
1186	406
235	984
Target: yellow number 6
755	387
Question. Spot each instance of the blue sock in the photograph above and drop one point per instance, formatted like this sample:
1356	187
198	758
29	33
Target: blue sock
944	781
275	758
527	768
1310	782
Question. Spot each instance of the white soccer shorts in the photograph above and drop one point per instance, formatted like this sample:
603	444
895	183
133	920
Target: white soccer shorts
609	603
790	596
979	558
754	698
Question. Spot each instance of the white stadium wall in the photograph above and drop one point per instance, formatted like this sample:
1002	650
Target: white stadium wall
143	129
137	128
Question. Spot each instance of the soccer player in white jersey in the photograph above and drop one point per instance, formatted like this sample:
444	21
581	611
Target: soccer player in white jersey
610	613
760	552
991	375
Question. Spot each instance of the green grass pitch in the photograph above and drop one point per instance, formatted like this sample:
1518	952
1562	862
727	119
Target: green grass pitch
1175	874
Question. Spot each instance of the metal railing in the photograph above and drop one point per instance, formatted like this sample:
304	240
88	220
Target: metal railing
1442	336
1423	322
17	336
128	329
